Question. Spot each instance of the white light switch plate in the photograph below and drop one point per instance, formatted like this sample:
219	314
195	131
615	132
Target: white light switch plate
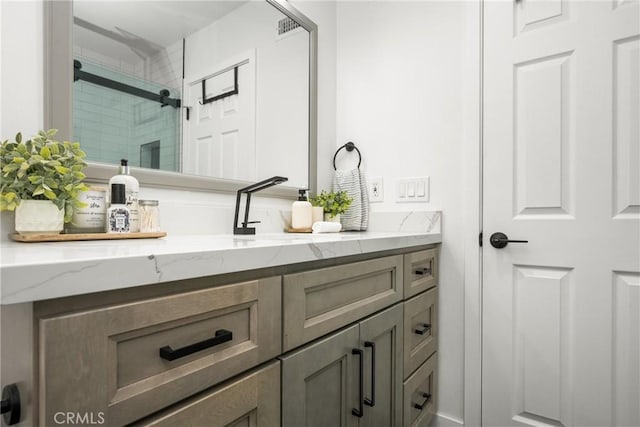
376	189
412	189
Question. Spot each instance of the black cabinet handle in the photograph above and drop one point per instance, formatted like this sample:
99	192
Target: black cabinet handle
427	397
360	411
222	335
10	404
423	328
372	402
423	271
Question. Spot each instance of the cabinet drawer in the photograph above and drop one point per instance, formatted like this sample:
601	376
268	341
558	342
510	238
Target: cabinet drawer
253	400
420	329
420	394
319	301
420	271
110	360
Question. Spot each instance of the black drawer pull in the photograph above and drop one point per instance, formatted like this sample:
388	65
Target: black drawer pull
222	335
427	397
423	328
372	402
359	412
422	271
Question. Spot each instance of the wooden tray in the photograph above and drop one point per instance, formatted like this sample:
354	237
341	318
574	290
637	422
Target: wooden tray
298	230
33	238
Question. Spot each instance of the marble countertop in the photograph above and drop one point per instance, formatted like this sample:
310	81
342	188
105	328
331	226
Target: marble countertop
38	271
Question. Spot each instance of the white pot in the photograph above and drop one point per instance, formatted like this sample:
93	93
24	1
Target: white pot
329	218
39	217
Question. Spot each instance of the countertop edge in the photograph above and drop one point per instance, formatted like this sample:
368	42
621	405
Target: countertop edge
23	283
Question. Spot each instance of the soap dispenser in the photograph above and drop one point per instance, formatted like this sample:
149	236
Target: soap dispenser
132	187
301	212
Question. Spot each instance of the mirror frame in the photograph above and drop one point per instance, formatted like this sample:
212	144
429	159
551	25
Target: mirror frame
58	106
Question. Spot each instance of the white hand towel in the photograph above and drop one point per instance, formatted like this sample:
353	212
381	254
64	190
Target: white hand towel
326	227
353	183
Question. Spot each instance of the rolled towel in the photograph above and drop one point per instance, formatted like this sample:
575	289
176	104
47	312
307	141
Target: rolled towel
326	227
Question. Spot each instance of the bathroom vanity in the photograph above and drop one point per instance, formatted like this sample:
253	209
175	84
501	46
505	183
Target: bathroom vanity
264	330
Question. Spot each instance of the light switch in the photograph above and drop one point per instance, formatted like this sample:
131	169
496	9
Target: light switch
420	189
411	189
402	190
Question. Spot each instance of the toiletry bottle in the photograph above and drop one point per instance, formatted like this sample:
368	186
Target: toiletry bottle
118	215
132	187
301	212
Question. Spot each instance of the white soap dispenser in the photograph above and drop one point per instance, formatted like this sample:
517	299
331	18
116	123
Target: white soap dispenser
132	188
301	212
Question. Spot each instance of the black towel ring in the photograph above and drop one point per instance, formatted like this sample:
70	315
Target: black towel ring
350	146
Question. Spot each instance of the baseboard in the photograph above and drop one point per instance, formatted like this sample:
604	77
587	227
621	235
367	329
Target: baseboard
441	420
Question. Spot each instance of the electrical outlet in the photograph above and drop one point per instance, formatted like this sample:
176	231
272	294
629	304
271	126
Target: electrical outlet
376	189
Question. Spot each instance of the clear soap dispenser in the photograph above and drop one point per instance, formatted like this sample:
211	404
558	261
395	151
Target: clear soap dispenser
301	212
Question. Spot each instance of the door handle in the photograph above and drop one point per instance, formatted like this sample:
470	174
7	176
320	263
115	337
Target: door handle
360	411
372	402
500	240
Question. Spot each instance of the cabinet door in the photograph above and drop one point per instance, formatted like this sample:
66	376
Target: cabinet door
252	400
319	383
382	335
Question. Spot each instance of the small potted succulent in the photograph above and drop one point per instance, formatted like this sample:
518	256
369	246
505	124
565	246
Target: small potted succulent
333	203
41	179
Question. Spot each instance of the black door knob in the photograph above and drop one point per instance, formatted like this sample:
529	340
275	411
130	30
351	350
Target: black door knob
500	240
10	404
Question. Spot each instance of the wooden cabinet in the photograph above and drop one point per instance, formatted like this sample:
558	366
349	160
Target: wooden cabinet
420	338
420	396
420	329
319	301
319	386
420	271
359	342
111	360
252	400
351	378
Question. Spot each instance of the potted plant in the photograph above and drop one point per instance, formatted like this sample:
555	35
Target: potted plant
333	204
40	180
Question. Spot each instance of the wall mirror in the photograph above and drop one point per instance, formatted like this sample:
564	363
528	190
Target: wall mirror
195	94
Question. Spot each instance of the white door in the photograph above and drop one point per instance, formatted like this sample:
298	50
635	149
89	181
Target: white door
219	137
561	322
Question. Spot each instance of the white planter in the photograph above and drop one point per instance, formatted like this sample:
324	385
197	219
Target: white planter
39	217
329	218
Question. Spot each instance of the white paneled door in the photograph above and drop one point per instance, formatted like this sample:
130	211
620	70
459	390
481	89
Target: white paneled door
219	136
561	322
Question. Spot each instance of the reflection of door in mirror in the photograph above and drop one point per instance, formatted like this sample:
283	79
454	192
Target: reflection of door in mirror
219	131
140	67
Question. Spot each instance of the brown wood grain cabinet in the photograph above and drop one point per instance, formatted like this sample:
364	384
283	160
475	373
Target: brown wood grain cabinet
321	382
280	346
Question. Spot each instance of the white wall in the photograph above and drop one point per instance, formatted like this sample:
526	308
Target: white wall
403	78
398	78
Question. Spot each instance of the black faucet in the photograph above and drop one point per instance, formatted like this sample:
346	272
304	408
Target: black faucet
248	190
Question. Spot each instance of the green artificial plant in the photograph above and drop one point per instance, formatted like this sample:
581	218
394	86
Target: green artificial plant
333	203
42	169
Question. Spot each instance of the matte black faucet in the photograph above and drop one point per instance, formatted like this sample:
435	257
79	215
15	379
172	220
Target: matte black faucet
274	180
